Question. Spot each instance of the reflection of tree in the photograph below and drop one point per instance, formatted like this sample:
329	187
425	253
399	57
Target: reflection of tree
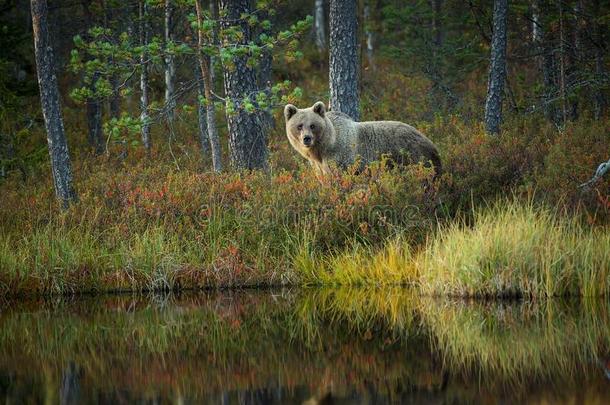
69	393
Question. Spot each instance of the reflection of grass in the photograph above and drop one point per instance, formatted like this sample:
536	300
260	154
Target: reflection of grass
316	338
518	343
235	342
503	341
360	311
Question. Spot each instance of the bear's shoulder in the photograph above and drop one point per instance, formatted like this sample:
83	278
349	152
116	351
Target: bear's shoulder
338	116
342	123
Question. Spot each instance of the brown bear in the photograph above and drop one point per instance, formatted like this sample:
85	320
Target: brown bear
327	138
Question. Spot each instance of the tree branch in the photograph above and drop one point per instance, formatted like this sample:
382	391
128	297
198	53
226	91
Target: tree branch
599	173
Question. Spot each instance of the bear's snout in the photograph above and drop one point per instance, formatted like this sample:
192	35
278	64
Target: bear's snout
308	140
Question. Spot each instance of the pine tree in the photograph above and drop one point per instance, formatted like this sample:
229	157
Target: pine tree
497	69
50	103
247	137
343	60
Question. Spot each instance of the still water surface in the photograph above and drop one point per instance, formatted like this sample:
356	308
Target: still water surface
345	346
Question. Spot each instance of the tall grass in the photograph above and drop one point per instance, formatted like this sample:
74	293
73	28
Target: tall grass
181	230
358	265
508	249
517	249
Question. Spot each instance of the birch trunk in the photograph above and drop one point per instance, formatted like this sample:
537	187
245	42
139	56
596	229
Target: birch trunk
368	36
437	6
170	67
320	25
202	120
205	67
144	101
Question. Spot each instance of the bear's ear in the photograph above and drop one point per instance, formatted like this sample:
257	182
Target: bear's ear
319	109
289	111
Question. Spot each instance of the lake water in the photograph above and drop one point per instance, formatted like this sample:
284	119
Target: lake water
335	346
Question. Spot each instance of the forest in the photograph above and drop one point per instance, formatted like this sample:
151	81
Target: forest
143	146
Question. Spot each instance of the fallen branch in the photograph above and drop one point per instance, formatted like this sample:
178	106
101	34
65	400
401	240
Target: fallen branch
599	173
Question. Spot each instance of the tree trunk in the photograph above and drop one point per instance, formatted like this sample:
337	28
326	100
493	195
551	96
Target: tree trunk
368	36
343	63
320	26
204	139
579	30
51	107
5	153
575	53
497	69
546	60
70	391
264	80
170	68
204	66
115	101
562	65
600	69
144	117
215	17
264	83
93	104
536	24
247	138
437	24
94	121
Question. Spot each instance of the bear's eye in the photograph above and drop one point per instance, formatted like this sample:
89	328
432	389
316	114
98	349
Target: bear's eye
312	126
300	127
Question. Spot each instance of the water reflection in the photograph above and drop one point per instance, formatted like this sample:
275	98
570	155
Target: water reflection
314	346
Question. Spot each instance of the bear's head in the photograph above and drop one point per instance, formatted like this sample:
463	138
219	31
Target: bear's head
305	127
